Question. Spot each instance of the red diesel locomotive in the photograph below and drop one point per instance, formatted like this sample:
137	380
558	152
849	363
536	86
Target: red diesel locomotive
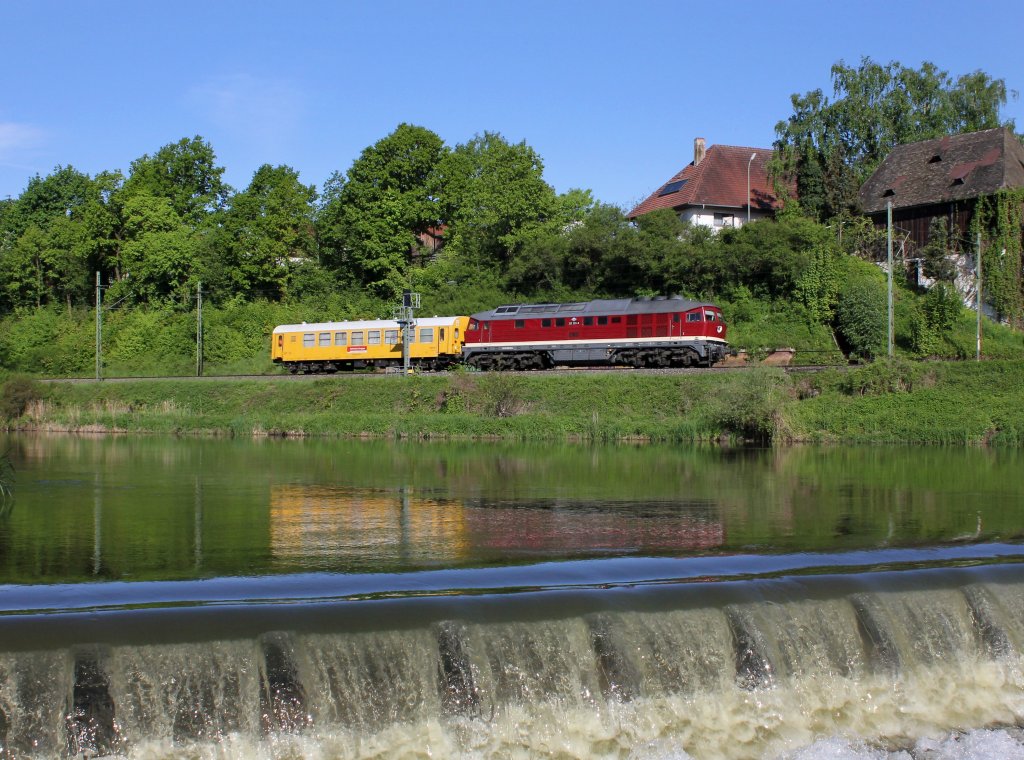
639	332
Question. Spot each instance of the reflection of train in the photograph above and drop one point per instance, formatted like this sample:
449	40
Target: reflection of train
637	332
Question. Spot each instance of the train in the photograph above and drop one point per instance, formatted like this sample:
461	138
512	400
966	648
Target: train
642	332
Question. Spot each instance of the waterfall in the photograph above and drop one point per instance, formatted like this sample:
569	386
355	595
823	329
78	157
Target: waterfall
754	674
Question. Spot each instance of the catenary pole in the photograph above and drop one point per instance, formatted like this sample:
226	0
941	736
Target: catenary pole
99	329
199	329
978	299
888	240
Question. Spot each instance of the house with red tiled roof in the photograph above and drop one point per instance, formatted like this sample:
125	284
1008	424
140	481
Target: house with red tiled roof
724	186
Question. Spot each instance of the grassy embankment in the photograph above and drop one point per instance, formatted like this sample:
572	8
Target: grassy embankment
939	403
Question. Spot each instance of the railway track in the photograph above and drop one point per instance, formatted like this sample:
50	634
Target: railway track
790	369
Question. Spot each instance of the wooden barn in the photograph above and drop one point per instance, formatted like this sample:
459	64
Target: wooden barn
942	178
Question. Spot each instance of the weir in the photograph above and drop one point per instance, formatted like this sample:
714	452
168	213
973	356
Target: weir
883	657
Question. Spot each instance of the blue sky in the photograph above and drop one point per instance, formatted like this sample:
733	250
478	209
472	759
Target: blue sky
610	94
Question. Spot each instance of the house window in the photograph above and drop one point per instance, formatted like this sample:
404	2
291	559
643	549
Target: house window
339	338
308	340
725	220
391	337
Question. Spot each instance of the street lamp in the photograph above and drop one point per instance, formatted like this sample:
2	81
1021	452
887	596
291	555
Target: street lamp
752	156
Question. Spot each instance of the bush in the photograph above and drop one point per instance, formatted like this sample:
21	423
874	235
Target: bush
861	316
15	396
748	407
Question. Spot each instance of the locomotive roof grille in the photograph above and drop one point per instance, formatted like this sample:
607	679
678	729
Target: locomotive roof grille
600	307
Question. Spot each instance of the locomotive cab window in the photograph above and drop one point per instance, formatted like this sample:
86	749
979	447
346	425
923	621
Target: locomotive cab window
472	324
676	318
693	316
709	316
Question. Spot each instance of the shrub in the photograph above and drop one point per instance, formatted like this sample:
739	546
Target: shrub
15	396
861	316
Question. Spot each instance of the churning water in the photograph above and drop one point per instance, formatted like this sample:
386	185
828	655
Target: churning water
726	637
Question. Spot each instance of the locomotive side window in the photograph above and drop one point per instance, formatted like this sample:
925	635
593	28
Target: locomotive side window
391	337
325	339
559	323
426	335
357	338
675	318
545	323
693	316
616	320
308	340
339	338
520	323
587	321
602	320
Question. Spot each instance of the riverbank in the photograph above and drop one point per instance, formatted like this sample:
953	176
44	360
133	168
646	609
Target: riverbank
964	403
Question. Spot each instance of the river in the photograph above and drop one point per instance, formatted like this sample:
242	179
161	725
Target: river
166	598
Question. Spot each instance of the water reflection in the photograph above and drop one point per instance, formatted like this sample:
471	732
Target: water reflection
145	509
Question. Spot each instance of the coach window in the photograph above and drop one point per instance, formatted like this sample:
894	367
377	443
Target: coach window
693	316
308	340
426	335
391	337
339	339
325	339
545	323
373	337
520	323
357	338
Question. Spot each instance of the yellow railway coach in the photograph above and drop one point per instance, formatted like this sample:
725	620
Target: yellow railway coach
334	346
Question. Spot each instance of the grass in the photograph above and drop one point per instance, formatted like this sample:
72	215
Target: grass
885	402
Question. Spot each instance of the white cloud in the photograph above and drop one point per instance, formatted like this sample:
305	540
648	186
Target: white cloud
16	138
262	113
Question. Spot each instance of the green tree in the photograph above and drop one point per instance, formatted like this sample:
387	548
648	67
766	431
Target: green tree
370	219
159	252
491	194
267	234
186	174
830	146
